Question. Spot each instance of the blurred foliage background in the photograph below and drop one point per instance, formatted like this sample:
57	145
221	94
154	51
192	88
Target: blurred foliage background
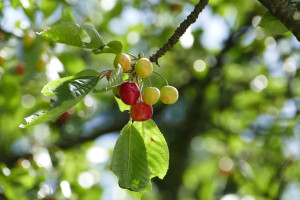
234	134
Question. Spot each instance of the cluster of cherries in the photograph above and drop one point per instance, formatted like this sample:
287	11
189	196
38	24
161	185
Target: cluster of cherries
129	92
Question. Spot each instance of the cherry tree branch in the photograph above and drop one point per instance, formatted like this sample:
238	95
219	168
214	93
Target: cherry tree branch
287	11
179	31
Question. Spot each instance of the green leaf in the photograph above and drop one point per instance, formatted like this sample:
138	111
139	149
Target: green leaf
129	160
116	46
116	78
272	25
96	40
66	33
139	195
157	149
112	47
74	88
122	106
48	89
69	33
53	112
69	91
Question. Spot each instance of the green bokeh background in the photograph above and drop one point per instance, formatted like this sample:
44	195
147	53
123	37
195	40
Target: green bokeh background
234	133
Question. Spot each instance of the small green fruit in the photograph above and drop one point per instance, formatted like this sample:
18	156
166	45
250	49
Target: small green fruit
124	60
169	94
29	39
143	67
42	62
151	95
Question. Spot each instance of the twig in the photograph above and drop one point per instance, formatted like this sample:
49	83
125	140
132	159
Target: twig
179	31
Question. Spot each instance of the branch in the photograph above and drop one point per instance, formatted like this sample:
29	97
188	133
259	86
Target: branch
179	31
287	12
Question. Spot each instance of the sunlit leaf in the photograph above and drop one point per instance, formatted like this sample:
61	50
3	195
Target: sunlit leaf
96	40
122	106
69	33
129	160
114	47
66	33
68	91
48	89
272	25
157	149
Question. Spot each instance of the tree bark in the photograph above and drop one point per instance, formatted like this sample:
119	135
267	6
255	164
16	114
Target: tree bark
287	12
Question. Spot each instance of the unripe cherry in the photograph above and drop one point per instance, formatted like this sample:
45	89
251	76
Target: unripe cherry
168	94
42	62
141	111
151	95
129	93
124	60
29	39
143	67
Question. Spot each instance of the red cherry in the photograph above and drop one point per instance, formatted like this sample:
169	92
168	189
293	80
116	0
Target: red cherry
141	111
129	93
20	68
63	118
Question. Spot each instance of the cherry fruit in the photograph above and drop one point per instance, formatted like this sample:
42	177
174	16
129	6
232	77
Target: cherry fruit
151	95
141	111
20	68
124	60
169	94
129	93
64	118
143	67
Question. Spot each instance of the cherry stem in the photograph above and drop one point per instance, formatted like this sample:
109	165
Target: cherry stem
149	81
131	55
140	86
141	55
131	75
161	76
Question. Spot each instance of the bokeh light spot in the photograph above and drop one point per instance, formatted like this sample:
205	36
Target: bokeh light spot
270	43
6	171
187	39
28	101
199	65
133	37
107	5
66	189
225	164
86	180
97	155
259	83
25	164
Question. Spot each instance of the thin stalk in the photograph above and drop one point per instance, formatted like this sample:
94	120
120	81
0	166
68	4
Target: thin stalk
161	76
149	81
